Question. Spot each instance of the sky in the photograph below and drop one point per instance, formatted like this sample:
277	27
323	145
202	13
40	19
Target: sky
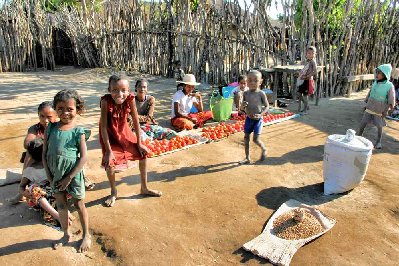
273	11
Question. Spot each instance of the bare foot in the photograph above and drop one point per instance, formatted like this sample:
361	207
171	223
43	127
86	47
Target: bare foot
246	161
61	242
110	201
150	192
16	200
263	156
86	244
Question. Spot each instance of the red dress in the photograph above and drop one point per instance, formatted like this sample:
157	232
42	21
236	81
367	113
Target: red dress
122	139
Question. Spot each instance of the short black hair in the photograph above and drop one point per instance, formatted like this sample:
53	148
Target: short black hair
114	79
35	149
44	105
242	77
67	94
140	81
177	62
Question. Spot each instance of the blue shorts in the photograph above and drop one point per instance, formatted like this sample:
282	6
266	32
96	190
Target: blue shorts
252	125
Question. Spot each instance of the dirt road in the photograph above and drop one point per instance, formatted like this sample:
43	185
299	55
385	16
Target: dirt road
211	205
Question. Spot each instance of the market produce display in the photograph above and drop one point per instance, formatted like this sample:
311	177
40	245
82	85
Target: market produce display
158	147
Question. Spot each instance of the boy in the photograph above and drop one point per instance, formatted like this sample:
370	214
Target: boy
305	80
379	100
255	105
178	74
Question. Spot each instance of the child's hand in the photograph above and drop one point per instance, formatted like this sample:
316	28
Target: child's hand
142	149
108	157
64	183
193	119
257	116
384	114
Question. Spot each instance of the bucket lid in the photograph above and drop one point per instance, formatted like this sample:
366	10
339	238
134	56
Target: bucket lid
351	141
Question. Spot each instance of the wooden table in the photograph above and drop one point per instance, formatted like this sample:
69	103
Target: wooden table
289	69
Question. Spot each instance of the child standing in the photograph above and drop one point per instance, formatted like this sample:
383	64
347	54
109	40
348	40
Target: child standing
305	81
119	144
64	154
255	105
238	92
379	100
178	74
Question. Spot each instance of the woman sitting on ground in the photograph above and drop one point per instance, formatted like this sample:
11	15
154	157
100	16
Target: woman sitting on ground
183	116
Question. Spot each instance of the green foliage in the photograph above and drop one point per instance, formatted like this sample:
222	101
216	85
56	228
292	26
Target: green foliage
54	5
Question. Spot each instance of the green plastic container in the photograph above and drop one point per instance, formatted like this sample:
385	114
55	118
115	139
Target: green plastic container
221	107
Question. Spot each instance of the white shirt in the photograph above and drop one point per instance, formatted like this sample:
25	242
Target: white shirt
35	175
237	90
185	103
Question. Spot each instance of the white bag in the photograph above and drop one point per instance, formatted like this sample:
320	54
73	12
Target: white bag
299	82
346	159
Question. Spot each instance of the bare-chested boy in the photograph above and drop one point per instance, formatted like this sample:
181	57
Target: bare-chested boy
255	105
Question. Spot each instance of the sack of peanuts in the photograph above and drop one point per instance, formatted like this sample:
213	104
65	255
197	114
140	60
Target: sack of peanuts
293	225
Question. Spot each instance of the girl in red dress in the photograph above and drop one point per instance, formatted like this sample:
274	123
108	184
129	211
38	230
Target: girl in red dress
119	144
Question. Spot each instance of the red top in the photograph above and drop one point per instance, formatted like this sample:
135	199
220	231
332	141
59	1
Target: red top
122	139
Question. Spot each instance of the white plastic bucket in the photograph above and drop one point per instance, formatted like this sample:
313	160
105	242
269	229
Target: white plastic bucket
346	159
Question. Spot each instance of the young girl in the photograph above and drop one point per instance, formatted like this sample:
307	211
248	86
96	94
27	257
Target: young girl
238	93
183	117
305	81
119	144
46	115
145	103
379	100
64	154
35	187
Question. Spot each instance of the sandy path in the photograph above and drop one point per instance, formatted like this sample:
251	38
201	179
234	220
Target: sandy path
211	206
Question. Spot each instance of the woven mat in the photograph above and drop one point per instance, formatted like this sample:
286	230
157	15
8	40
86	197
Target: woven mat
280	251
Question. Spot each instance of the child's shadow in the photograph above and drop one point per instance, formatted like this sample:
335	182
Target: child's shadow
31	245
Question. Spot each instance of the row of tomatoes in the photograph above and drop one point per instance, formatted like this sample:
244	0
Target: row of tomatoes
157	147
222	130
266	118
273	117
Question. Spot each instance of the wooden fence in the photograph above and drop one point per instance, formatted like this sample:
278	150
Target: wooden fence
215	42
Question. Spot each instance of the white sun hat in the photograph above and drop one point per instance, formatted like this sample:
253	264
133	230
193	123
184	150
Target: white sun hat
189	79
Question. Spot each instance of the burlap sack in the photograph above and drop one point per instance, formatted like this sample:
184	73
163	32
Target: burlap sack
280	251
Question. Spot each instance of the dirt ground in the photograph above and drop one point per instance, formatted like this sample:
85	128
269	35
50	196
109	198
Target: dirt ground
211	205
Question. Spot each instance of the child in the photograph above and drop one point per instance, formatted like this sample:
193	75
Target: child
379	100
145	103
178	74
64	154
238	92
305	81
38	193
183	116
46	115
119	144
255	105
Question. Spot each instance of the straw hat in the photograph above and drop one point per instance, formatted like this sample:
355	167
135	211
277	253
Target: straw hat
189	79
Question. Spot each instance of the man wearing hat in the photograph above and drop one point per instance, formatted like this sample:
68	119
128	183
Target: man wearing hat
183	102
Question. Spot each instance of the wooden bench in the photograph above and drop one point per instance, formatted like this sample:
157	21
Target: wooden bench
351	79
